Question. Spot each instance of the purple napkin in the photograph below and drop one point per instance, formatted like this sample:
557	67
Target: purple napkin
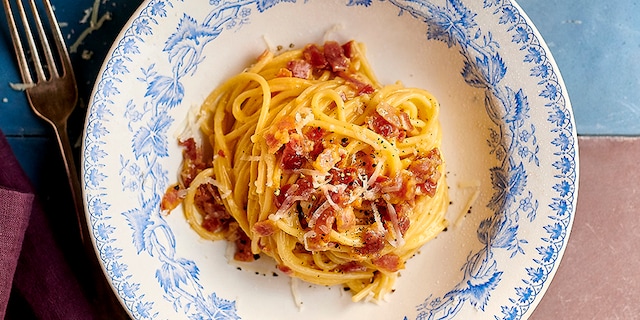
30	261
15	209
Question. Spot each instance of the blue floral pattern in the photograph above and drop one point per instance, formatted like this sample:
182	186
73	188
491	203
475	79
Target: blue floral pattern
513	141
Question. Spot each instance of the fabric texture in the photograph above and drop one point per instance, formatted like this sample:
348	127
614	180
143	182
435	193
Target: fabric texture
15	210
31	263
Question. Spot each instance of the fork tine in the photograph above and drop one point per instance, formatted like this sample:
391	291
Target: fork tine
17	44
42	69
35	55
46	47
65	61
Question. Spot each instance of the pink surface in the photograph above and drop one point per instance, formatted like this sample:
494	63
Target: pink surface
599	275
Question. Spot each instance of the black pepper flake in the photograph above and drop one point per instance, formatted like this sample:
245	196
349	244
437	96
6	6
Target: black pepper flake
238	268
176	187
274	274
346	289
256	256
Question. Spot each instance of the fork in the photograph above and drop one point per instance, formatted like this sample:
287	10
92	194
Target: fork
49	82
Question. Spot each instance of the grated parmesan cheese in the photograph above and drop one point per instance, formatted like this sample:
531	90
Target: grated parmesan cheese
95	23
21	86
295	284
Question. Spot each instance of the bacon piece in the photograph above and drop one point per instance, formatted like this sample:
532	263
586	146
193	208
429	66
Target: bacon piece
281	195
372	240
364	163
171	198
402	211
324	224
214	215
284	269
349	49
401	188
328	158
314	56
315	135
345	219
299	69
317	239
352	266
425	169
389	262
359	86
390	122
278	134
293	155
302	188
314	242
336	59
394	116
340	197
190	151
395	218
382	127
264	228
193	161
305	186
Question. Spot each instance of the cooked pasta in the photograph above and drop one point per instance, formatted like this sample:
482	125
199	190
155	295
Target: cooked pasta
308	159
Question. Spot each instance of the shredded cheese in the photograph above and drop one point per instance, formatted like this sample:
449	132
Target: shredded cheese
21	86
95	23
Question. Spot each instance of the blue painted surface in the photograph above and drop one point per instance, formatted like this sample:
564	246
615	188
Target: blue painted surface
596	45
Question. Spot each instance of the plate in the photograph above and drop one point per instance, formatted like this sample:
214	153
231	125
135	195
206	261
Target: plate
509	141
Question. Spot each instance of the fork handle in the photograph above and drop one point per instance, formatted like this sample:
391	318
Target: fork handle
74	181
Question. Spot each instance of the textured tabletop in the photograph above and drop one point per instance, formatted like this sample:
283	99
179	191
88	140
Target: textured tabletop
599	276
596	45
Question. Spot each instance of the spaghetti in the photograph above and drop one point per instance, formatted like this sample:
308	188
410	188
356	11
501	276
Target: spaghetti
308	159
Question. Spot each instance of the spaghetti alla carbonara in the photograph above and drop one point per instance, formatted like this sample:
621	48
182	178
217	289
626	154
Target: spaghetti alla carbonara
308	159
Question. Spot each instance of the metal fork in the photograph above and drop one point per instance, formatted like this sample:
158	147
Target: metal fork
48	80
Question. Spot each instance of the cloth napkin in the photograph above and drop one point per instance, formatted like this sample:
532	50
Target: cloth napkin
32	265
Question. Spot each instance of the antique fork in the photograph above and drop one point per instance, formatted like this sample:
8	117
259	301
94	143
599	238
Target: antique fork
48	80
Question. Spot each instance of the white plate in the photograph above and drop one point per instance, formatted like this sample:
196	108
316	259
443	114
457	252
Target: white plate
508	133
